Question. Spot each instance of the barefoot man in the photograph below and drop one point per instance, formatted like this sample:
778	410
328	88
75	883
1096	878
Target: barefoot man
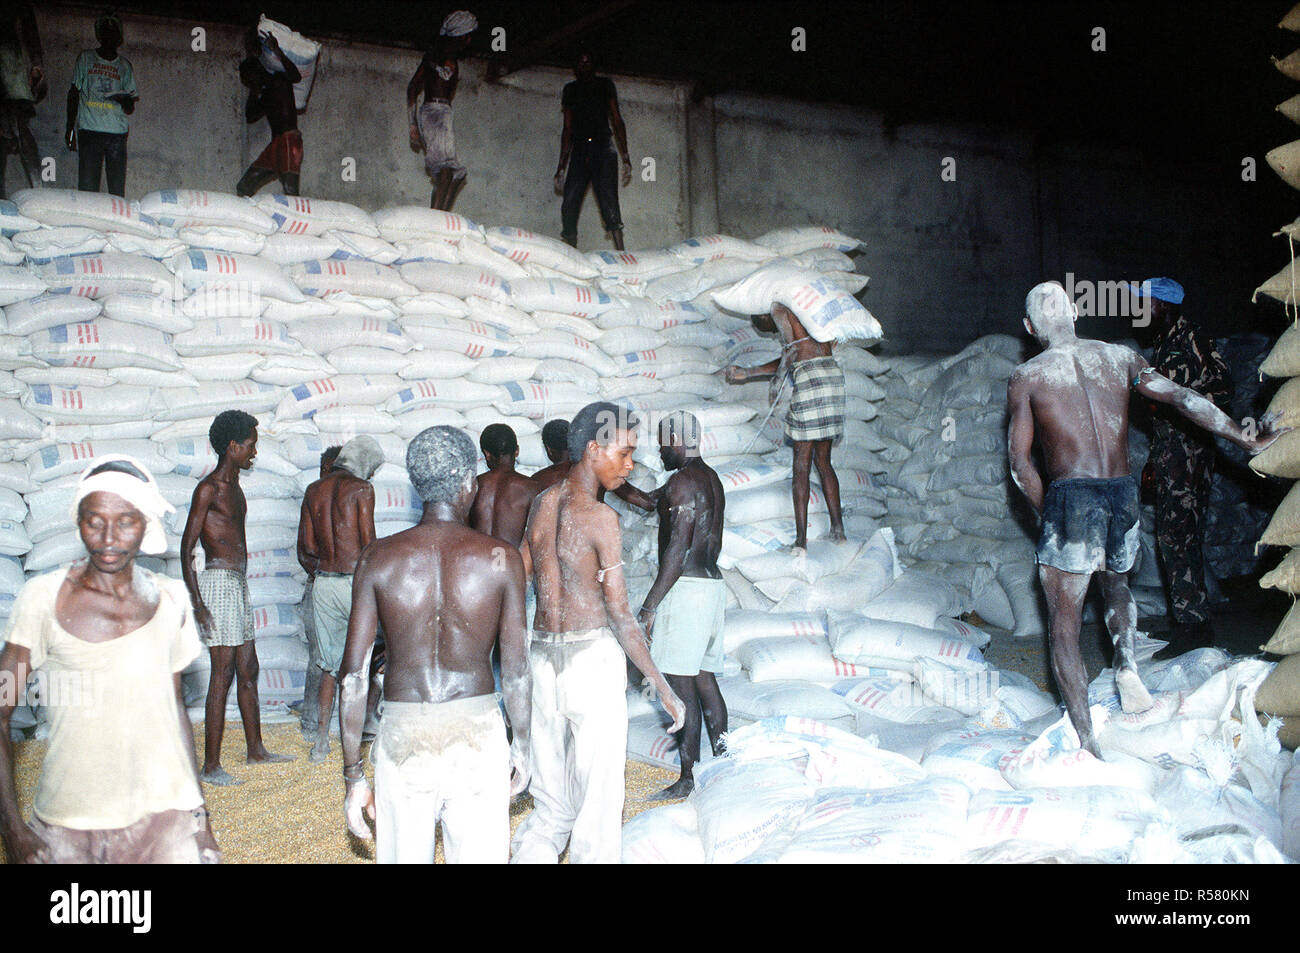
504	494
431	128
684	610
108	641
582	629
815	420
219	593
444	594
337	522
1074	397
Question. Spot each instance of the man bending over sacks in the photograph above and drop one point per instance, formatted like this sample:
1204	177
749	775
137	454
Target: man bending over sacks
219	593
108	641
582	629
683	613
1074	397
815	420
337	522
444	594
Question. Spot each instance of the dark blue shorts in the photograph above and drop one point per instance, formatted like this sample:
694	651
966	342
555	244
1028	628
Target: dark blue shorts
1090	524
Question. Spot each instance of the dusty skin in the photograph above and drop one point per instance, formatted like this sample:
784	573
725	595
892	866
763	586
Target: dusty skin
1073	398
444	594
690	508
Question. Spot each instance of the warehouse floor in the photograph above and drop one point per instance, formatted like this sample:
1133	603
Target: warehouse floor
1241	625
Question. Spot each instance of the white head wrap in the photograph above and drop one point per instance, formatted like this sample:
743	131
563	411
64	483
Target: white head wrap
459	23
361	456
142	494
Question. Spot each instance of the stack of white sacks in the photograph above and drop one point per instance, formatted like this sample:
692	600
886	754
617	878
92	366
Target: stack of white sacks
129	325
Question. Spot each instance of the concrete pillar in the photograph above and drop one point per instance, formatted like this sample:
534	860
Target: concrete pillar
701	169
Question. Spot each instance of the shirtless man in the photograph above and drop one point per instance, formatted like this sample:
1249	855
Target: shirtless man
1074	397
504	495
444	594
271	95
337	522
815	420
431	130
309	713
684	611
582	629
107	641
219	593
555	441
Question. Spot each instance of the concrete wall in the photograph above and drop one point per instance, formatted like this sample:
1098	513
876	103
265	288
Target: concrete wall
949	260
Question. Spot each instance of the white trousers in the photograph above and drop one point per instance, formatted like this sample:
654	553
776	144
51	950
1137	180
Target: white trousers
579	749
447	762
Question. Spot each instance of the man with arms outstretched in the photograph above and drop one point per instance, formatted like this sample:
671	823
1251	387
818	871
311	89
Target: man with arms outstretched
337	522
582	629
219	593
684	611
444	594
1074	397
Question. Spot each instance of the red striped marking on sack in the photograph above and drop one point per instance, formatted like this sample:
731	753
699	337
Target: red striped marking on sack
92	266
82	451
84	360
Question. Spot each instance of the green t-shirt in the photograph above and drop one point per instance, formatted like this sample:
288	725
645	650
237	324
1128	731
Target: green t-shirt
95	79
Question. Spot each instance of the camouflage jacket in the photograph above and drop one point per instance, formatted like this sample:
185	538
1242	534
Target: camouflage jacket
1187	357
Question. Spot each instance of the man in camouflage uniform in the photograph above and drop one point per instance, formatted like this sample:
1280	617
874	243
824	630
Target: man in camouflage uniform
1181	462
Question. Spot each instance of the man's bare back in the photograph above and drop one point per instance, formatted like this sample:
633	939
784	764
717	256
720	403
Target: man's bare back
549	476
439	594
693	498
571	538
1078	394
337	522
502	503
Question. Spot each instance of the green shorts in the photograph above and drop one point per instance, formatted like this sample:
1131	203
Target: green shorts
687	635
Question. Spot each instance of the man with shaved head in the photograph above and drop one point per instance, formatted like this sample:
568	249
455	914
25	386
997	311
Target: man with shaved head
1074	398
684	611
555	441
504	495
582	629
108	641
337	522
444	595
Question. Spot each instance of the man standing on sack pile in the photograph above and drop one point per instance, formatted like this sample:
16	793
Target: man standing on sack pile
102	95
431	129
1181	462
108	641
335	526
271	95
590	117
22	86
815	420
1074	398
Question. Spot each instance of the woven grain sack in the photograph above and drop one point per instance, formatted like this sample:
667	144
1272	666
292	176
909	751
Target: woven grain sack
88	209
793	241
1286	638
189	208
1284	361
1290	108
211	238
1288	66
474	339
1284	527
410	222
220	270
461	281
1279	693
49	311
299	215
1281	286
45	244
1282	458
354	276
1286	576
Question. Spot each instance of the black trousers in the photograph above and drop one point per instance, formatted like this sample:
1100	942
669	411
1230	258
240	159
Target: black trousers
596	164
96	150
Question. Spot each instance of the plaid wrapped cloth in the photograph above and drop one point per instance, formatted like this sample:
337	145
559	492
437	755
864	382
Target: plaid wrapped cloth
225	593
817	400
